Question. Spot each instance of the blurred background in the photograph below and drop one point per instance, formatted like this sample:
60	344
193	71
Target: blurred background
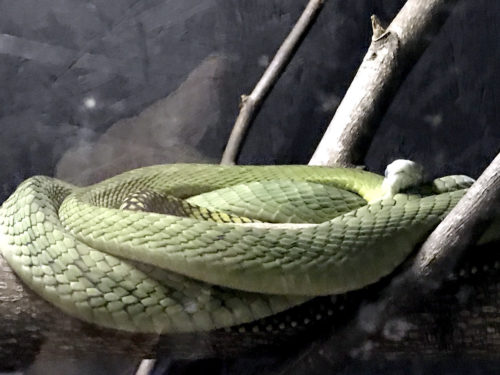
92	88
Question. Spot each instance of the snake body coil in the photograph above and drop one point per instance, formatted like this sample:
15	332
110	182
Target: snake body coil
156	272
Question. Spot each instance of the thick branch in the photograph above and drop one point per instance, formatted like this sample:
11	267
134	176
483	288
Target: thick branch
250	104
461	228
390	57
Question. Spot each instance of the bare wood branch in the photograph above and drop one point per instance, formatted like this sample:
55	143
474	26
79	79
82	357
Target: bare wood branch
461	228
250	104
391	55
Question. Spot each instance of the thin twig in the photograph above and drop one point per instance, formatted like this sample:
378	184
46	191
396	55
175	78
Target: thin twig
250	104
391	55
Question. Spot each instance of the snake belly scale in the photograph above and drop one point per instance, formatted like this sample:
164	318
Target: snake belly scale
152	272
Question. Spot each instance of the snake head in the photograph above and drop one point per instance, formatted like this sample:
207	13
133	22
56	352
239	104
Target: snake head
401	174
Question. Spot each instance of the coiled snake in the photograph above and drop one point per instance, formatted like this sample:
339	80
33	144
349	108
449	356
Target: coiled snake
226	245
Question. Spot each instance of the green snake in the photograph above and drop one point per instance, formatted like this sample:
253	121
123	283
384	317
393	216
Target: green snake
228	245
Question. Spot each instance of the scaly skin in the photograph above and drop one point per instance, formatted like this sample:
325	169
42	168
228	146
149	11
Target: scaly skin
68	245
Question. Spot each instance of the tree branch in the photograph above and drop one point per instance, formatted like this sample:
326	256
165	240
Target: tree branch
390	57
250	104
461	228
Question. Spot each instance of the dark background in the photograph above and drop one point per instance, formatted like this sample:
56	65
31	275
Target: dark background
92	88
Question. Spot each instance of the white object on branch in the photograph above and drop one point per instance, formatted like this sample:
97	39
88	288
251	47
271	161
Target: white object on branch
402	174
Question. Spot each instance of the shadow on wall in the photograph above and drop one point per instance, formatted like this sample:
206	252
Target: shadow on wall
168	131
